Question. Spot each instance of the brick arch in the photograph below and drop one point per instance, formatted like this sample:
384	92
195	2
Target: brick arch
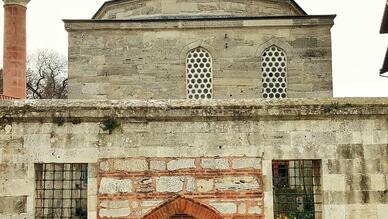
182	205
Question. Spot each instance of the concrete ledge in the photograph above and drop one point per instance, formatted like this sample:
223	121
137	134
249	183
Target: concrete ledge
149	110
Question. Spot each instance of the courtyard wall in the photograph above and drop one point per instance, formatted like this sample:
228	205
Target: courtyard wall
348	136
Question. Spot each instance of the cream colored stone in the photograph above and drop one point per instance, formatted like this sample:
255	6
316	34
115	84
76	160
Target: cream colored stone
169	183
242	208
131	165
112	213
207	163
152	203
115	186
205	185
334	182
157	165
92	203
224	207
378	182
359	211
254	210
382	211
180	164
115	204
335	211
244	163
236	183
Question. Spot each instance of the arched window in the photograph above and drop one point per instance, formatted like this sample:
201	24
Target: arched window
274	73
199	74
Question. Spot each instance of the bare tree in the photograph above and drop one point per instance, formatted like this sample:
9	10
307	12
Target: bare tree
47	75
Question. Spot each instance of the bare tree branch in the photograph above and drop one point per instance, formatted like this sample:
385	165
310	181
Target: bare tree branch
47	75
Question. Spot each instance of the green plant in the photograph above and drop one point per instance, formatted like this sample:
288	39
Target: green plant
335	106
110	124
60	121
76	121
26	108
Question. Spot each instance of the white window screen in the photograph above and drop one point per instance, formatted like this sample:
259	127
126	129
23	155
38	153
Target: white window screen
274	73
199	71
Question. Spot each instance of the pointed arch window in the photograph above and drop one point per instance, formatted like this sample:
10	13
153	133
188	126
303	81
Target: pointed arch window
199	74
274	73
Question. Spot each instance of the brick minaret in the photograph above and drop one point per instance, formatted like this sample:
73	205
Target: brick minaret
14	57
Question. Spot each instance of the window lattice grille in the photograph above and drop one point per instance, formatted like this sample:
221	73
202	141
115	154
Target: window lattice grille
61	191
297	189
199	71
274	73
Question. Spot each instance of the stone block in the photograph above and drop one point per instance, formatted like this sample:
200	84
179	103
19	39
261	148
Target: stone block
244	163
144	185
169	183
242	208
104	166
13	205
92	186
151	203
225	207
382	211
190	184
361	211
335	211
378	182
205	185
267	168
157	165
254	210
217	164
37	140
131	165
334	182
181	164
113	186
115	204
122	212
237	183
92	203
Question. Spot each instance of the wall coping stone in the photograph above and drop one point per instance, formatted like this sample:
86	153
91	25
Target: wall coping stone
171	110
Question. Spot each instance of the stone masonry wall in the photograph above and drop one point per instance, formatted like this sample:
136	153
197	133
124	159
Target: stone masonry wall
147	8
348	136
146	60
133	187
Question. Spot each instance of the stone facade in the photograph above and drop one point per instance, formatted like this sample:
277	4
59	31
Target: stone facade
140	51
140	60
348	136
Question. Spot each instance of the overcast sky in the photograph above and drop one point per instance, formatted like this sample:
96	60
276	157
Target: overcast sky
358	48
